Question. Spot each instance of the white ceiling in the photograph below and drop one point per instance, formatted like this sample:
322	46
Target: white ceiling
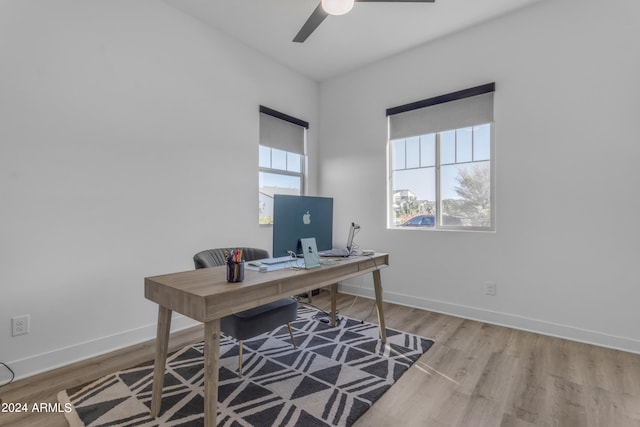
371	31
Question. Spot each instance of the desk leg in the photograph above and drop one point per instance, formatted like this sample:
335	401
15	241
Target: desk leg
377	284
162	343
333	294
211	363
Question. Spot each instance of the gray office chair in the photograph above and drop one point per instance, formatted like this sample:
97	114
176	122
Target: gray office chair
253	322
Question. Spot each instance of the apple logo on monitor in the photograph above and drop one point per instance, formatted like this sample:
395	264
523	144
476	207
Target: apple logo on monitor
306	218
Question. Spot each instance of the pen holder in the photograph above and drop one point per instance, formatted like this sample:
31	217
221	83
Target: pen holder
235	272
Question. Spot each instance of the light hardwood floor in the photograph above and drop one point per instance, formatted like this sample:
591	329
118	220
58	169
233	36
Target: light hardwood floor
475	374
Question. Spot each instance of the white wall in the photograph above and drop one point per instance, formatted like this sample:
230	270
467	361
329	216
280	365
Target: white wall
128	142
565	253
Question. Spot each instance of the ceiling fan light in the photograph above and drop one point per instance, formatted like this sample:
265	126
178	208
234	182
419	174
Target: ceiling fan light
337	7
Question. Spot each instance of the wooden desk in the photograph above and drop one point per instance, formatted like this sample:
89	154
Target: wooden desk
205	295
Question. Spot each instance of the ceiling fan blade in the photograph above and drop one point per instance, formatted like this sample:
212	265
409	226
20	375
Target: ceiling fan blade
312	23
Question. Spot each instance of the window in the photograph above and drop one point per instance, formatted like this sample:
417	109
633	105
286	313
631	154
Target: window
440	162
281	159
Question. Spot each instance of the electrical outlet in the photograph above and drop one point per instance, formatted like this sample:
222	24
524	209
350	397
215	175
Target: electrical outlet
20	325
490	288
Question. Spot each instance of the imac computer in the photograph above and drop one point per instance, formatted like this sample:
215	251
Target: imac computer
300	217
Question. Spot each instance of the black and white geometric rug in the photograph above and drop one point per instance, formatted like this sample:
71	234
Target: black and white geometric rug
330	379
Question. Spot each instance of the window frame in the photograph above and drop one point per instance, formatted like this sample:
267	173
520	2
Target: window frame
303	166
274	171
438	185
438	182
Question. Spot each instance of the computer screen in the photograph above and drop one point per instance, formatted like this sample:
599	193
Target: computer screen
300	217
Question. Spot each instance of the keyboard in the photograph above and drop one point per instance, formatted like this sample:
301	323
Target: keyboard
278	260
334	252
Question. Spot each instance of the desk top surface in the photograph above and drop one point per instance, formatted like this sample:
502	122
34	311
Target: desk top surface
204	294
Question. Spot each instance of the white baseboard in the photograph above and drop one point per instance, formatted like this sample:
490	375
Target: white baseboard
502	319
47	361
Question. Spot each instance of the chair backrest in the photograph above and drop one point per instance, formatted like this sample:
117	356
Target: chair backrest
215	257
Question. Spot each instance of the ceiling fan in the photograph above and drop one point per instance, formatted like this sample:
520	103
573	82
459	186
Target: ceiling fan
336	7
